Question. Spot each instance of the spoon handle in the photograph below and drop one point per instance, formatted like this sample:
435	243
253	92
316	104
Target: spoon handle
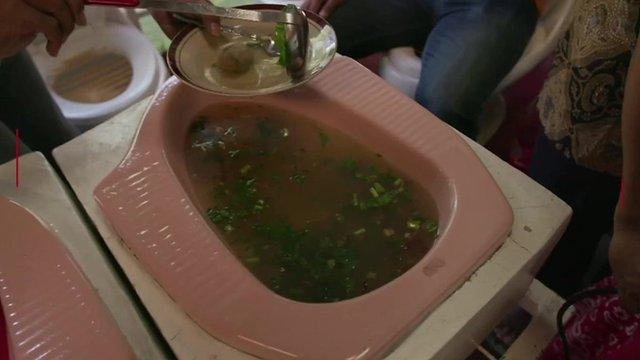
264	41
233	30
200	8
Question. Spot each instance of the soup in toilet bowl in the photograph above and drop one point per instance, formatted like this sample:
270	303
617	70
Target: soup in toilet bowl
315	216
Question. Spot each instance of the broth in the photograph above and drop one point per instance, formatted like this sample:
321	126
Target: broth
262	71
312	214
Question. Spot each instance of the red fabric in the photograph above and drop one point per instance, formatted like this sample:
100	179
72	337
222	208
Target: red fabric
599	329
4	347
542	5
515	140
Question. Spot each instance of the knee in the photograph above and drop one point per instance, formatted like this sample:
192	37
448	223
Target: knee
448	108
512	18
438	103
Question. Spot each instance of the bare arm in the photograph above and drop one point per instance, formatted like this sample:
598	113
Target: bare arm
630	212
624	254
323	8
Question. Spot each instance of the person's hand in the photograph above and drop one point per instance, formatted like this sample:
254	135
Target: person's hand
67	13
171	26
22	20
624	257
323	8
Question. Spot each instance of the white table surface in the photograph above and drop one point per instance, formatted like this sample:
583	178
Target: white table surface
43	194
451	332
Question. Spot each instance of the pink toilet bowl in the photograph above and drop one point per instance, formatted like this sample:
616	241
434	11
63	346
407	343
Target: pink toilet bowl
149	201
51	310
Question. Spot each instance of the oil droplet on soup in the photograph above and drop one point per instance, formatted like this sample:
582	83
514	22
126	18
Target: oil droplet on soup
313	215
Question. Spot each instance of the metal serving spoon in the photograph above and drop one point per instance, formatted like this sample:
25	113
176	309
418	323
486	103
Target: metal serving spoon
265	42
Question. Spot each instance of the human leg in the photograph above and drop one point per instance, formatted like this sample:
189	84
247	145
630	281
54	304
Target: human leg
364	27
472	47
592	196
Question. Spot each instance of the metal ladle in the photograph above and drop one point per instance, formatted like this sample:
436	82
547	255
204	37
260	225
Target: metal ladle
294	20
297	40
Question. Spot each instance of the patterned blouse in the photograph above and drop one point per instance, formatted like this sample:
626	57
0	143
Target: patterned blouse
581	102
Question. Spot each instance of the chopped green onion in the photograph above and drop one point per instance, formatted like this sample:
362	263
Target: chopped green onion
378	187
354	199
280	39
432	227
234	154
324	138
350	164
331	263
359	231
284	132
299	178
372	178
220	215
386	199
204	146
374	192
252	260
399	182
388	232
414	224
228	228
259	206
296	292
245	169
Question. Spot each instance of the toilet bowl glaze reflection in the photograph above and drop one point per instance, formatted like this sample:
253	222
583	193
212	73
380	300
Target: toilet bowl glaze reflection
313	215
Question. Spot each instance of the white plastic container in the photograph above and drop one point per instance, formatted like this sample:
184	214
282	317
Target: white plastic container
107	33
401	69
